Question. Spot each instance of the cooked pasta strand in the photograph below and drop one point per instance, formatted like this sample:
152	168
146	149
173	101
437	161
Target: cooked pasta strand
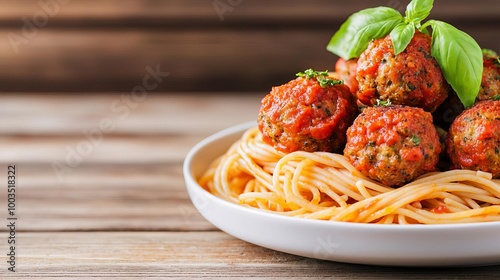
325	186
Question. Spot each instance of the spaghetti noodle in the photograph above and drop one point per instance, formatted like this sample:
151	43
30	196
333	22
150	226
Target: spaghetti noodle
326	186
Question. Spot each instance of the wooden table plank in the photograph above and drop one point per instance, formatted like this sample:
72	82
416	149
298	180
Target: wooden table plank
132	254
123	212
181	114
105	45
78	150
221	60
104	198
211	255
224	59
129	178
174	11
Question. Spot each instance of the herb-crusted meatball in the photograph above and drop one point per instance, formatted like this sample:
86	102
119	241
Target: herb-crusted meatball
411	78
474	138
394	144
310	113
490	89
490	83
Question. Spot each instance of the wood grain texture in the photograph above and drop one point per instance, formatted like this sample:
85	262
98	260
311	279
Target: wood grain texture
180	115
98	46
104	197
219	60
75	176
182	11
193	255
123	211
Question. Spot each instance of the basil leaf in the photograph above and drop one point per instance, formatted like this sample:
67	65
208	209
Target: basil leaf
360	28
460	58
401	36
418	10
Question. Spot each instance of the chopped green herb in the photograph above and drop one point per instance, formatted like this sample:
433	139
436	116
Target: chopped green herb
496	97
415	140
320	76
383	103
310	74
324	82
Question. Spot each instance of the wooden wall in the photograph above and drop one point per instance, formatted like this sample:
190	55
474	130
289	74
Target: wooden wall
244	45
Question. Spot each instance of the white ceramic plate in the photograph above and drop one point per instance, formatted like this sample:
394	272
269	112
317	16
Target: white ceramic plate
393	245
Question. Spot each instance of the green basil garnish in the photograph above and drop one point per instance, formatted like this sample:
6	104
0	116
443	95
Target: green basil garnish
401	36
460	58
457	53
418	10
362	27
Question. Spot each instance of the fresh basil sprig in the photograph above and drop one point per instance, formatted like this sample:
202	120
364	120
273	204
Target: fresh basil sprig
457	53
360	28
460	58
418	10
401	36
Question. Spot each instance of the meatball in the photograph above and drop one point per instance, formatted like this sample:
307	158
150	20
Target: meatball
474	138
304	115
490	89
490	83
346	71
394	144
411	78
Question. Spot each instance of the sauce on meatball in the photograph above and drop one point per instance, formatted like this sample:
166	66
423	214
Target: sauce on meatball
393	144
490	83
304	115
411	78
474	138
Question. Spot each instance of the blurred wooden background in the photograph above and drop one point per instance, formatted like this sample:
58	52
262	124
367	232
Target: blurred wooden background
214	45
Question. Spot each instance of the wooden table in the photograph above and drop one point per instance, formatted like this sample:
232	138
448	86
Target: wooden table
100	193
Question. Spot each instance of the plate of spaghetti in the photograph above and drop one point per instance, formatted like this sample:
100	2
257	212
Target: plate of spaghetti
392	159
444	244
